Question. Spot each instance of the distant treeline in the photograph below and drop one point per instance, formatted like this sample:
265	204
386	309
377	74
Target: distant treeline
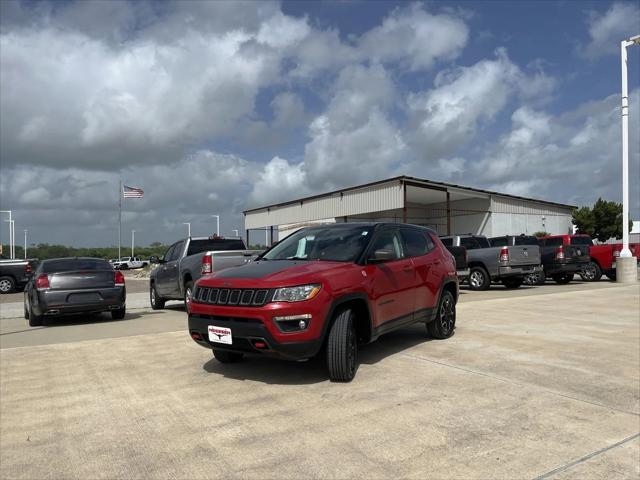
44	251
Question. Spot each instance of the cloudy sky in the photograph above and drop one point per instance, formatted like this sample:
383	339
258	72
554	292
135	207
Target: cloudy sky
215	107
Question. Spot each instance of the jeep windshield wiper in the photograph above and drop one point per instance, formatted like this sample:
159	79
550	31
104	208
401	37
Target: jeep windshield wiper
296	258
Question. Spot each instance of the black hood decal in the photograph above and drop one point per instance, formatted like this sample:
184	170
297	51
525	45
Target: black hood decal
258	269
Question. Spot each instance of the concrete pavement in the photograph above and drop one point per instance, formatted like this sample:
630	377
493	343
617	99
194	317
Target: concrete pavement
534	385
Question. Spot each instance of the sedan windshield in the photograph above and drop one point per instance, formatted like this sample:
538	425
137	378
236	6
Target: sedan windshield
339	244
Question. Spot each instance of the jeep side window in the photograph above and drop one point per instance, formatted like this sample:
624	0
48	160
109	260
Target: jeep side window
388	240
416	242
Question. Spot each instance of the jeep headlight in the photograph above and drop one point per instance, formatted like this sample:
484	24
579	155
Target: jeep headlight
296	294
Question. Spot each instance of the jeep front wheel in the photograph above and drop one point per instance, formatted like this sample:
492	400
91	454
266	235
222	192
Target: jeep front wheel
342	348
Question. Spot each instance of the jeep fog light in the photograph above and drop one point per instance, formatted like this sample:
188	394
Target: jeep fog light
293	323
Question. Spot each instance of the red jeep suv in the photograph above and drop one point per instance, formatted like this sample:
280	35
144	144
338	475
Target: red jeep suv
327	288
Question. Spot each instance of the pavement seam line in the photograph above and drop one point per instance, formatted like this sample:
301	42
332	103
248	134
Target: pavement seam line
513	382
585	458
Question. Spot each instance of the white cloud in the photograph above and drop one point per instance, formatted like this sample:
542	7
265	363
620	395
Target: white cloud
278	181
607	30
416	38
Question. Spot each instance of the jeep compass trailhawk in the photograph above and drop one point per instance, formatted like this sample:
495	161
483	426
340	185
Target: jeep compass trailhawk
327	288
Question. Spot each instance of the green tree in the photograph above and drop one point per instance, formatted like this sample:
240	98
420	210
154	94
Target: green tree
541	234
603	221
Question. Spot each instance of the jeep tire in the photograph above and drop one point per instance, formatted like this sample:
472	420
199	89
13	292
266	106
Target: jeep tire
445	322
342	348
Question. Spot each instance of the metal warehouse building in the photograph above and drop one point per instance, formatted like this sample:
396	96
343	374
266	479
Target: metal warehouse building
444	207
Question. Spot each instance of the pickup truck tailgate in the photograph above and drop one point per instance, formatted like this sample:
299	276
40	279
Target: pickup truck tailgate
576	253
524	255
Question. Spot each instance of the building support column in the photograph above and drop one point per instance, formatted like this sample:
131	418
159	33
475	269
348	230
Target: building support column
404	202
271	228
247	237
448	213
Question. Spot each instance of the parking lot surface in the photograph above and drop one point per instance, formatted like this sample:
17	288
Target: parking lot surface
540	382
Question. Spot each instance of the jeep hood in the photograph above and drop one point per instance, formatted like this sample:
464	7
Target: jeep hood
281	271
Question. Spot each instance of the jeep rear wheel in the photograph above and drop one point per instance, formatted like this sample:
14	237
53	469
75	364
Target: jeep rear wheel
342	348
227	357
445	322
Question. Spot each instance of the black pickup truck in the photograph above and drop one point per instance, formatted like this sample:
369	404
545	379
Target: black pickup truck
460	256
14	274
560	262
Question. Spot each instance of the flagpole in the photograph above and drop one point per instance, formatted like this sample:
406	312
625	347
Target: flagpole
119	219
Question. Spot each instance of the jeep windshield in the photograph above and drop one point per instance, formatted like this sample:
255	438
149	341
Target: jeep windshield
335	243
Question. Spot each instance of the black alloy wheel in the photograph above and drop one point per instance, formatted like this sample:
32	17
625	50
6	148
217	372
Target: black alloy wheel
445	322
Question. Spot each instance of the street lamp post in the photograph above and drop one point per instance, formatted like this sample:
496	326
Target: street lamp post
235	232
25	243
11	237
217	224
188	224
625	264
133	240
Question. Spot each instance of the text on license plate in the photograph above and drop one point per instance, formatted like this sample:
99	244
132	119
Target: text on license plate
220	334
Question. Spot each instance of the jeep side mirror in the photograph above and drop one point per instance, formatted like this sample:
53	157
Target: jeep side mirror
381	255
155	259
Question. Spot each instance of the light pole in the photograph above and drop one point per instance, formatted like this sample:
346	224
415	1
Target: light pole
235	232
625	145
625	264
188	224
12	238
10	221
133	240
217	224
25	243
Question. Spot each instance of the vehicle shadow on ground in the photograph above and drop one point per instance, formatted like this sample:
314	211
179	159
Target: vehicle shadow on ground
67	320
281	372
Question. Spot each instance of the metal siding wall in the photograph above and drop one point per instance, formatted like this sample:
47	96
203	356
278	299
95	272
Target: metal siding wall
515	224
376	198
511	205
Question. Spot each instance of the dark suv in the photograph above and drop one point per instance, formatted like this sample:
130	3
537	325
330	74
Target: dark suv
328	287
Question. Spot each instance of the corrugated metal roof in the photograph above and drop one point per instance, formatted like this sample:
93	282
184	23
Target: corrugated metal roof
401	179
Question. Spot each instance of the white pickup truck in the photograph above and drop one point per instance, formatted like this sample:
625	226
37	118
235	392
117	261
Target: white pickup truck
127	263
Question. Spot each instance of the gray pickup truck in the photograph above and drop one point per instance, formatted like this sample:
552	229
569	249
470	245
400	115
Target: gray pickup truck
186	261
508	264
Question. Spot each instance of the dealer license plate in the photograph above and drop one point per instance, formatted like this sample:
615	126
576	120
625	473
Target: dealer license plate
220	334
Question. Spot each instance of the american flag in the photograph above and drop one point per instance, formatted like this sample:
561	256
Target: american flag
132	192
